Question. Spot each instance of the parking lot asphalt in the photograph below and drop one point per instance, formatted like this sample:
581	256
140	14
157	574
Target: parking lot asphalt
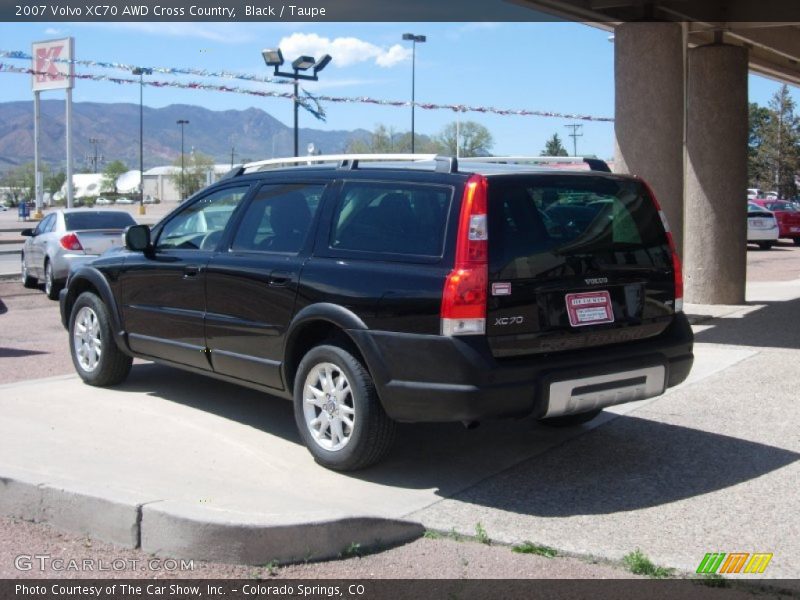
185	466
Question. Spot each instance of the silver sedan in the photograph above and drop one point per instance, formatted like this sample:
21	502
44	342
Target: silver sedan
67	236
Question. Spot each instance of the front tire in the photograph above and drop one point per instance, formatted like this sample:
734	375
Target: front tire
796	241
51	286
95	354
27	280
338	412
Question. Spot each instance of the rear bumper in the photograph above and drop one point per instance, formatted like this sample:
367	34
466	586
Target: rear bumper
762	235
435	378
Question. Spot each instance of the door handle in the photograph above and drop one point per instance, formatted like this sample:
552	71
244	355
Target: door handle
279	278
191	271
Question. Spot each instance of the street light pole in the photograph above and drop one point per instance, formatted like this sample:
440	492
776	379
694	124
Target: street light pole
141	72
413	39
182	122
274	58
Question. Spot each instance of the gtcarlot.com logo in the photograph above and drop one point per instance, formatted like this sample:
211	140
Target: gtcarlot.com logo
734	562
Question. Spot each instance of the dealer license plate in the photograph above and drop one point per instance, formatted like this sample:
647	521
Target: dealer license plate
589	308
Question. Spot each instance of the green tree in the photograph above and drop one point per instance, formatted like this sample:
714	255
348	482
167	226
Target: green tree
554	147
53	182
20	183
465	139
757	168
111	173
195	172
387	140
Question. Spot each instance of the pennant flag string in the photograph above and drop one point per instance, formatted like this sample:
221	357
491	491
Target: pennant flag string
311	103
19	55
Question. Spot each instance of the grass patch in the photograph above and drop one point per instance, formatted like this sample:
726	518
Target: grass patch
638	564
272	568
713	580
531	548
352	551
432	535
481	535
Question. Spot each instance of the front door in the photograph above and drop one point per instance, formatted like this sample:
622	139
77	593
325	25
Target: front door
163	294
252	282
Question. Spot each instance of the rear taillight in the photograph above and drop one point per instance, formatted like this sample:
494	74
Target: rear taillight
676	261
464	296
70	242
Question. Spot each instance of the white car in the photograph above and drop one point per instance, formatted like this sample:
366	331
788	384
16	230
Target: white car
103	201
124	200
762	226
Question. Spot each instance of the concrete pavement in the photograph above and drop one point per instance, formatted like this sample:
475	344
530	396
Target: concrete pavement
191	467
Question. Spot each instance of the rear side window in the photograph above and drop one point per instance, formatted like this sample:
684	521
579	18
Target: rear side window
97	220
610	220
391	218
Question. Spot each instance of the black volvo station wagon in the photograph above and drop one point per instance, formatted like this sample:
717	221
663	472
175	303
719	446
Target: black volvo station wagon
377	289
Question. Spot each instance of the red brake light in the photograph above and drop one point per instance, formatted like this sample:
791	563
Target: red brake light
464	296
71	242
676	261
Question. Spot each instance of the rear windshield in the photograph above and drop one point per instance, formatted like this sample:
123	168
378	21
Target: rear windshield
97	220
610	221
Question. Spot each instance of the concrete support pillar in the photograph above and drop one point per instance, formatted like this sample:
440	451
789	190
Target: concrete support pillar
649	112
715	259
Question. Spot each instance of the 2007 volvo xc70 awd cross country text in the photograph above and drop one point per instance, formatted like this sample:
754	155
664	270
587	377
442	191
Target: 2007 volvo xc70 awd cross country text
377	289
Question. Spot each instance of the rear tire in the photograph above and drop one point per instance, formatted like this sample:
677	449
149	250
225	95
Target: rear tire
571	420
51	286
796	241
338	412
27	281
765	245
94	352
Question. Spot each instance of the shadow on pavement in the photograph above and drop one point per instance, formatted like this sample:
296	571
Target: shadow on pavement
628	464
631	464
775	325
16	352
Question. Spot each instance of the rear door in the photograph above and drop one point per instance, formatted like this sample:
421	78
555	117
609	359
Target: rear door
574	261
252	281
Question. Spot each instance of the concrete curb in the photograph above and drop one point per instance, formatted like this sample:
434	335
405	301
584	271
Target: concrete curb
168	528
181	531
108	515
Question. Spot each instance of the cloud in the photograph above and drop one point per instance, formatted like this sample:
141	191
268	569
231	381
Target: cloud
344	50
53	31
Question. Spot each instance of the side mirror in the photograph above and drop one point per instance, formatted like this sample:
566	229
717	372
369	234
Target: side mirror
26	232
137	238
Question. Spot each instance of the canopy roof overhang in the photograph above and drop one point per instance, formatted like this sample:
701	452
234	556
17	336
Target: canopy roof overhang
770	29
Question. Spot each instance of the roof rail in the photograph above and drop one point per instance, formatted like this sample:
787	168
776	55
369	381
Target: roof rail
595	164
345	161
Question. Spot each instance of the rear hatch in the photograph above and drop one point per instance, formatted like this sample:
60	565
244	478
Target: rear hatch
575	261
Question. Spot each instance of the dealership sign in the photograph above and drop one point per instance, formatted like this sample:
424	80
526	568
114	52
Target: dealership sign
52	65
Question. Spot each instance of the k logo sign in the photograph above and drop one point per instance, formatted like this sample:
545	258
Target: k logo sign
45	68
52	66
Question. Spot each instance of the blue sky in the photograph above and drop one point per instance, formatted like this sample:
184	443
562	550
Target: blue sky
556	67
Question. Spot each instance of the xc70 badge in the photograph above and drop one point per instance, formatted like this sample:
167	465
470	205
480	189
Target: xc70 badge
508	320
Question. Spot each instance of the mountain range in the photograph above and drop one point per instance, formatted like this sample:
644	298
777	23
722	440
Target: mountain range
252	133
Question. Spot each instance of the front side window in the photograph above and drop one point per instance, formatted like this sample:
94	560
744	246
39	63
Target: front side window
200	226
278	219
391	218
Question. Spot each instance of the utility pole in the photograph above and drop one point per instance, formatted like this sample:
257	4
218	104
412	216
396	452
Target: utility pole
574	135
94	159
233	153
